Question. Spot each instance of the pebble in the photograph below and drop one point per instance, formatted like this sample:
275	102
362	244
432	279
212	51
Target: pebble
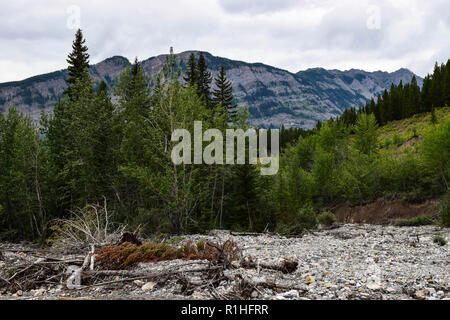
310	279
352	261
148	286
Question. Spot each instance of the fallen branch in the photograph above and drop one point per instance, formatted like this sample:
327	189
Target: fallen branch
287	266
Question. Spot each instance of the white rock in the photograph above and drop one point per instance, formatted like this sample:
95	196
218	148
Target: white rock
39	292
373	283
139	283
293	294
148	286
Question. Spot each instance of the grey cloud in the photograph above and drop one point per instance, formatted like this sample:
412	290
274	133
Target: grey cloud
256	6
288	34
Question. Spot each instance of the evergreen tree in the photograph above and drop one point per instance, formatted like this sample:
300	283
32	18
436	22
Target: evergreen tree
133	92
436	89
191	72
78	61
223	94
446	84
414	103
203	81
134	104
21	216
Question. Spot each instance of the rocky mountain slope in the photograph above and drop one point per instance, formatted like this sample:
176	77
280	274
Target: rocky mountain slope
274	96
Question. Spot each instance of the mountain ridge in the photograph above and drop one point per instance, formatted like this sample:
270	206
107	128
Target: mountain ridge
274	96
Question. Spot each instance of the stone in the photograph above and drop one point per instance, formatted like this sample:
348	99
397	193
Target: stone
310	279
292	294
39	292
148	286
373	283
420	294
139	283
391	290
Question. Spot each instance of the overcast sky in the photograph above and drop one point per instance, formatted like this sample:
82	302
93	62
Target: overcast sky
36	36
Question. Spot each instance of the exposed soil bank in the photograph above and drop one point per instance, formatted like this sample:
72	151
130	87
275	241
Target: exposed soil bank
384	211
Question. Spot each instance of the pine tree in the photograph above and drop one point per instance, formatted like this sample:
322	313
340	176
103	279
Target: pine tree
78	61
19	149
436	90
414	97
446	84
191	72
203	81
133	92
223	95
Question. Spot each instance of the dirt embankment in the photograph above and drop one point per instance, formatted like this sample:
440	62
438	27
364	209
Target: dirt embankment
384	211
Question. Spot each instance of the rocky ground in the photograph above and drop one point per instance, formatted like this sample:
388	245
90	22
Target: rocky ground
349	262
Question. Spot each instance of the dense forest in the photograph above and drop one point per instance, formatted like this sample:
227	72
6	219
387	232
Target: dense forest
98	150
404	100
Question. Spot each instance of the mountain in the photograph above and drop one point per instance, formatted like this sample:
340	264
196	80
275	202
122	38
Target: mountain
273	96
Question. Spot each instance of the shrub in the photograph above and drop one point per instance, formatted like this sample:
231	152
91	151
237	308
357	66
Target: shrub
88	226
326	218
397	140
304	219
435	152
444	211
440	240
414	222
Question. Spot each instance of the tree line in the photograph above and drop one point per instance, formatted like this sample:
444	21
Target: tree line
93	149
404	100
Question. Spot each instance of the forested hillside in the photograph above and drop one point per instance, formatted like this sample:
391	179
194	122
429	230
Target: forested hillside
116	153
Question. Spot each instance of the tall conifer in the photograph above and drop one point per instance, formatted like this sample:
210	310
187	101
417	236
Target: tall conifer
78	61
223	94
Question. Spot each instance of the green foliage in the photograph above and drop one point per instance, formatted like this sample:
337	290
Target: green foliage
397	140
444	211
366	134
191	72
435	152
93	148
21	212
222	96
78	61
326	218
404	100
415	222
204	80
304	219
440	240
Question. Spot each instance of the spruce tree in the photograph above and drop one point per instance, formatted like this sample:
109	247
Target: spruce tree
78	61
133	92
436	90
191	72
223	95
446	84
415	97
204	80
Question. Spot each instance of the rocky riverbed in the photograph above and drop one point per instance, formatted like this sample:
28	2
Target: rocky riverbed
353	261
